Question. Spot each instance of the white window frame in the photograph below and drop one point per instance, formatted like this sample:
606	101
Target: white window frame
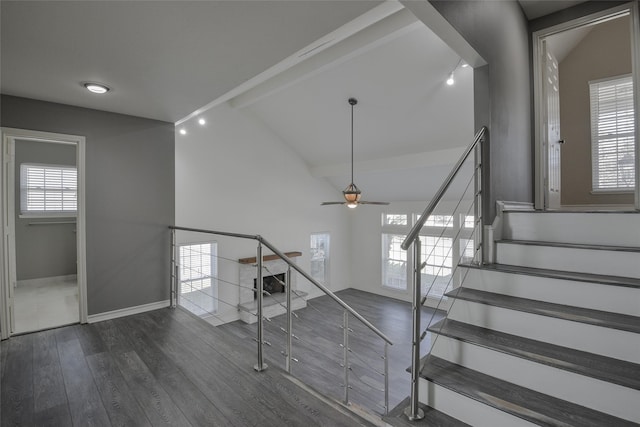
210	273
622	131
68	186
386	258
444	226
324	254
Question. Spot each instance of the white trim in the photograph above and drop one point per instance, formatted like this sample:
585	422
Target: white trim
602	207
494	231
129	311
7	167
635	68
538	37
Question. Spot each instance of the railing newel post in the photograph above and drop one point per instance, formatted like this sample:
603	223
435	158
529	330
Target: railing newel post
173	294
386	378
260	366
413	411
289	322
345	354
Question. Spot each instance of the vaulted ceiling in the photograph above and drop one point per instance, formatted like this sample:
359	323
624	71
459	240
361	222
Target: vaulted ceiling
291	65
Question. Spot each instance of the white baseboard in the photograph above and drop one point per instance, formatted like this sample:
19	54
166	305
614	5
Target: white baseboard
50	280
100	317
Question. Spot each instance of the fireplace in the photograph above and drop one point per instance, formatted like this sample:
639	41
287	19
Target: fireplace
274	274
272	284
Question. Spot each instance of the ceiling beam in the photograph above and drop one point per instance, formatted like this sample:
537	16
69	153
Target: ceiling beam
430	16
383	31
388	7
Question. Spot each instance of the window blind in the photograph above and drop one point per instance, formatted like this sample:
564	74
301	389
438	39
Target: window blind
612	134
48	189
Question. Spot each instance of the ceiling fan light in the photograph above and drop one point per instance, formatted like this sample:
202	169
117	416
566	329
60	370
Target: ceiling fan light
352	205
352	197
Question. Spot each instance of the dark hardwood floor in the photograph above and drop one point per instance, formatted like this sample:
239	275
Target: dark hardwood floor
164	367
319	352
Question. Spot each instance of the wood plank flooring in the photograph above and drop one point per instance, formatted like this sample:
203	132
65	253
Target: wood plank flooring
319	350
164	367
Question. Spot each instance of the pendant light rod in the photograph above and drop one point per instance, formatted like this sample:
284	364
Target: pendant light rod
352	102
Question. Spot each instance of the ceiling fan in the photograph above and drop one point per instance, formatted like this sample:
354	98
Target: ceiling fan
352	193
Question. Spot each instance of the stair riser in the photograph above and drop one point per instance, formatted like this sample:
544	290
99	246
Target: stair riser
465	409
620	401
583	228
595	339
616	299
614	263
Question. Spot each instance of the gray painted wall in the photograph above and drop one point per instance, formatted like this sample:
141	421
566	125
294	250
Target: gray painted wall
130	197
498	31
43	250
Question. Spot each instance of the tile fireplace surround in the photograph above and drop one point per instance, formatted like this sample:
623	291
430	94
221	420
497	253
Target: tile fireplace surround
273	305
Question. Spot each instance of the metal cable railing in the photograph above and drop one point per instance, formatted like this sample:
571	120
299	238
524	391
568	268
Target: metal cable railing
359	370
413	411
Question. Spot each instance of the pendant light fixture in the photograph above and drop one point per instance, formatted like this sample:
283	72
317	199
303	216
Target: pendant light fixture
352	193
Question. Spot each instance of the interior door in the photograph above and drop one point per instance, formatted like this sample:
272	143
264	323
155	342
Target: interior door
551	120
8	261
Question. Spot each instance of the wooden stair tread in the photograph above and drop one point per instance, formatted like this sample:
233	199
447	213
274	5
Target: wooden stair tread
432	417
576	314
519	401
626	374
570	245
558	274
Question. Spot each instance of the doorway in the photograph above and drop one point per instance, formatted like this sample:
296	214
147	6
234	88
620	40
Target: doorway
586	105
43	221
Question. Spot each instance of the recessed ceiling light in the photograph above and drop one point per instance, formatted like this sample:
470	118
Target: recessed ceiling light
183	132
96	87
202	121
450	80
465	65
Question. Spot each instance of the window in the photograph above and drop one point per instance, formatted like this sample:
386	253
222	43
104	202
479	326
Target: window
394	262
436	274
612	134
198	278
445	240
394	219
48	189
320	257
438	221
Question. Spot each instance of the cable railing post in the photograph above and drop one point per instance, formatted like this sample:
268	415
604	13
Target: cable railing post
386	378
260	366
413	411
345	354
174	271
289	322
478	202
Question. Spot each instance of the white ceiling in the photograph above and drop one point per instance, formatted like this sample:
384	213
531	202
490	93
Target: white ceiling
163	59
167	59
536	8
409	126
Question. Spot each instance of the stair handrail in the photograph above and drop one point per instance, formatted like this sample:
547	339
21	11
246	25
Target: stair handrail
295	266
413	411
415	230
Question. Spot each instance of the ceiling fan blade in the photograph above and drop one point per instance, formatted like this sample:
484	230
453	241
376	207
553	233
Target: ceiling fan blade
332	203
372	203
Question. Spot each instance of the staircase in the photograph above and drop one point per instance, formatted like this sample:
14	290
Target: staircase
550	333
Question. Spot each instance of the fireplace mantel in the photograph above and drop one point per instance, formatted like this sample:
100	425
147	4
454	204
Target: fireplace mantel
268	257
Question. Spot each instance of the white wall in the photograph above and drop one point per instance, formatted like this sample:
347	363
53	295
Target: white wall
234	174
